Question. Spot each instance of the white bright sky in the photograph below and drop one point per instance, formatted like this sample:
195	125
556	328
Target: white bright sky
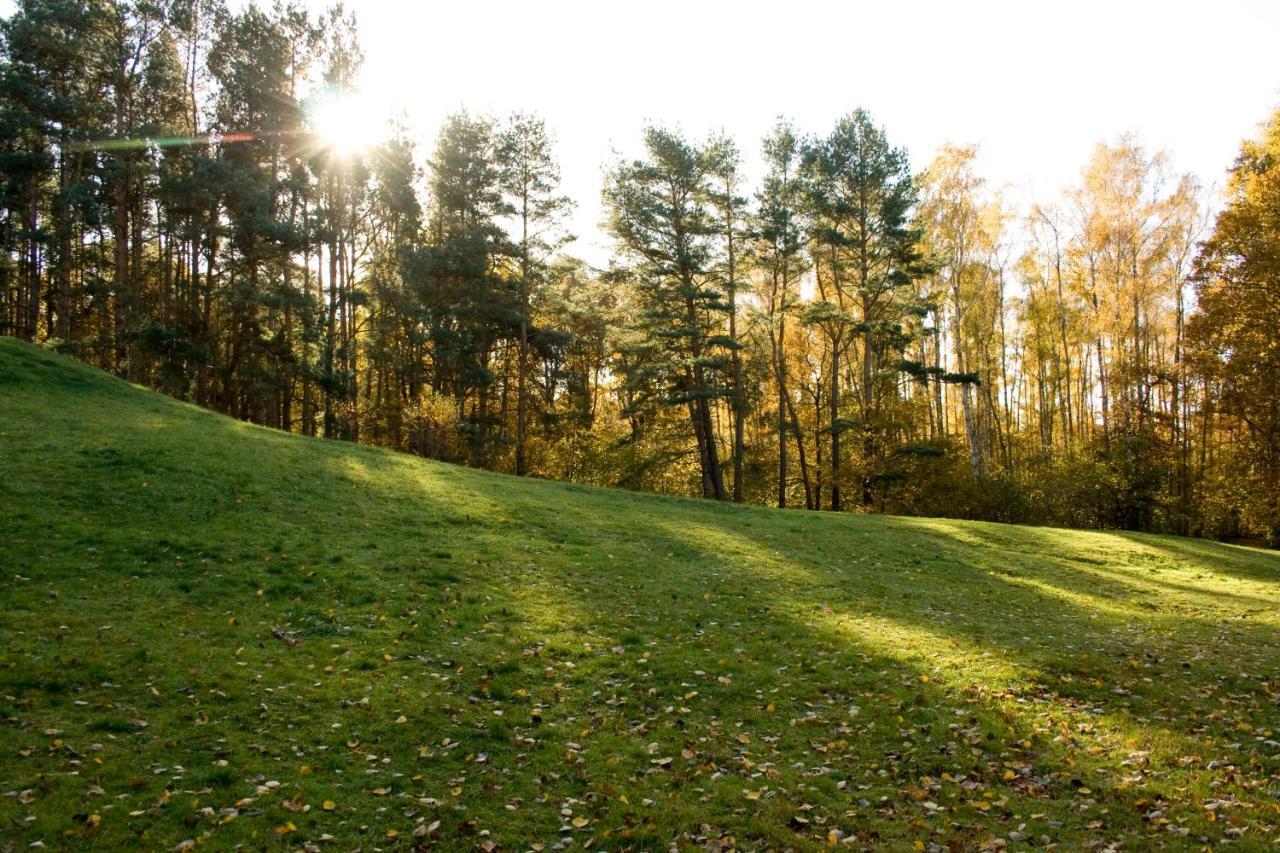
1035	84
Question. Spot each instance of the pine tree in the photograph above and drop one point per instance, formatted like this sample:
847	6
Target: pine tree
658	215
866	248
724	180
467	300
530	177
778	248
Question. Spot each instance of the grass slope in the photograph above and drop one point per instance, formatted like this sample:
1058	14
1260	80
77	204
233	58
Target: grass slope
219	633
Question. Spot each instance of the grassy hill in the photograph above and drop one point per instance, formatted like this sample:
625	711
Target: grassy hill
219	633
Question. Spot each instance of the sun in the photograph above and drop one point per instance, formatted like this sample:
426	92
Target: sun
345	124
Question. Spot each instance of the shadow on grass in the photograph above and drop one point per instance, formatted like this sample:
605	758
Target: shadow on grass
974	651
1239	561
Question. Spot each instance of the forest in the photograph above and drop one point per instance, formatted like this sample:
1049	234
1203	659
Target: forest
647	433
182	204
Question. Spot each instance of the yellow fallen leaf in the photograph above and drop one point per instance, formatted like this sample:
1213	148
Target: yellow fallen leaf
329	805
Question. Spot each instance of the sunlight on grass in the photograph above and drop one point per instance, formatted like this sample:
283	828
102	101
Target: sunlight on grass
198	608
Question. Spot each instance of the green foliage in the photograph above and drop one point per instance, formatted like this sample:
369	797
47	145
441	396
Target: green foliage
658	212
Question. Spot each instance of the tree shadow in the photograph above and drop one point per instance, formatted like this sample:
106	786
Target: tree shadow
1016	717
1240	561
924	664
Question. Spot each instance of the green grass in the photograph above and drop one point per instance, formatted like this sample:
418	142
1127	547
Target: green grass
485	660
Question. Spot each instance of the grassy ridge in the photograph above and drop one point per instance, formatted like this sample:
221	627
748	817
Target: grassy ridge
217	633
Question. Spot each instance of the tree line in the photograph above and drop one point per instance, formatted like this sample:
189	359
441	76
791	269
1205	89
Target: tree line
846	334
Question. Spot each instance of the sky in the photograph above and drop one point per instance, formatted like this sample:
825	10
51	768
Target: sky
1034	84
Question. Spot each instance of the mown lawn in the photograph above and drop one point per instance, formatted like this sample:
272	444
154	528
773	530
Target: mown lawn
218	634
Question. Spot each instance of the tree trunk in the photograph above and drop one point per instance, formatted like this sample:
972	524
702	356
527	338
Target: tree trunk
835	429
739	404
780	372
522	366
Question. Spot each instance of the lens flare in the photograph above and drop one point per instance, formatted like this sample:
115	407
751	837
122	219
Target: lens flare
346	124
